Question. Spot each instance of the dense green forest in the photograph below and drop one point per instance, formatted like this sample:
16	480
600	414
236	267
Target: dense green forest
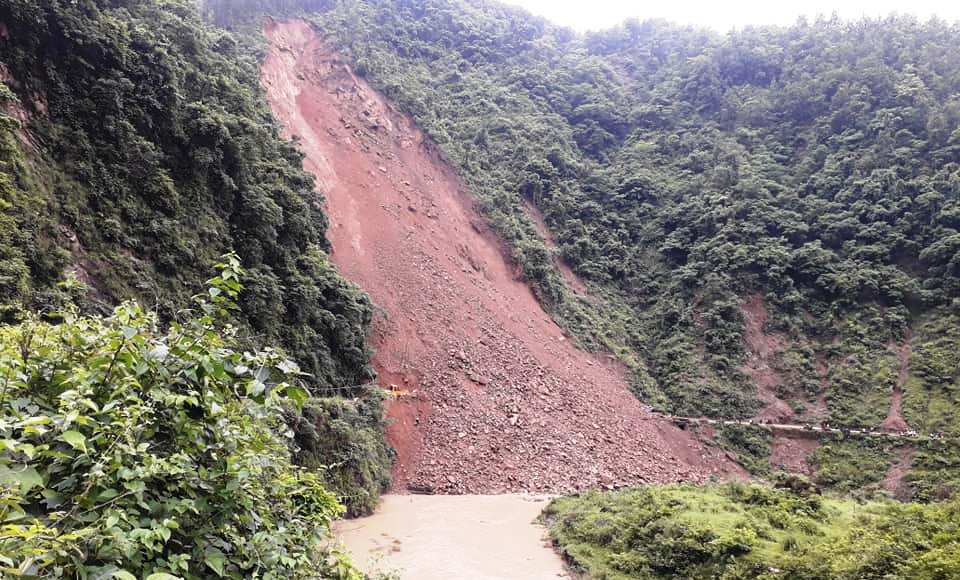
137	148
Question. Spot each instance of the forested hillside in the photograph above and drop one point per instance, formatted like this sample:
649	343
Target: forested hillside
816	165
759	225
766	220
137	149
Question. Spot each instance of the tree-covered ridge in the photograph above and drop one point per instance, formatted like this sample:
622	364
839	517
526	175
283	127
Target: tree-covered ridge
682	170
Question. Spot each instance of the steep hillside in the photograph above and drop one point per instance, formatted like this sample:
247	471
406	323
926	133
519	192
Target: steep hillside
497	398
687	172
155	156
136	149
766	220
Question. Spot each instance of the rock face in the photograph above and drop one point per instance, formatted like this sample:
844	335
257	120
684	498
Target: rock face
498	400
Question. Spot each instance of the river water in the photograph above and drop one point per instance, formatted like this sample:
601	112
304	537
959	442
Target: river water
446	537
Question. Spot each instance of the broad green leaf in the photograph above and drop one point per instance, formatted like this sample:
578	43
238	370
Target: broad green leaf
107	494
256	387
163	576
26	477
215	560
41	420
288	367
298	395
29	478
124	575
164	533
75	439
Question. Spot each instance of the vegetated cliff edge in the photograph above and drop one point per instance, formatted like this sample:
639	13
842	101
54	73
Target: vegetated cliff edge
496	397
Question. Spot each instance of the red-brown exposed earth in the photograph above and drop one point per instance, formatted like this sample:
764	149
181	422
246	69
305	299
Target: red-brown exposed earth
895	479
792	454
895	420
762	349
499	398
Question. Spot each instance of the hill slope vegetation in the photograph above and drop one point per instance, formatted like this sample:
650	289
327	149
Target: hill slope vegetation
815	164
137	149
739	531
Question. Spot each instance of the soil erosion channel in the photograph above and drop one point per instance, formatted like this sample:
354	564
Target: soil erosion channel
499	400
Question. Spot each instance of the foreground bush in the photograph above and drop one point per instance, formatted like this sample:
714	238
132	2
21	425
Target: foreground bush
130	452
739	531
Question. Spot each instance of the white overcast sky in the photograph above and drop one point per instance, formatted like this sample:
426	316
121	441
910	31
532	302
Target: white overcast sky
722	15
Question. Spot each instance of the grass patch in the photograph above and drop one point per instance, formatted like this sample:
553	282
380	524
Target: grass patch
852	464
752	531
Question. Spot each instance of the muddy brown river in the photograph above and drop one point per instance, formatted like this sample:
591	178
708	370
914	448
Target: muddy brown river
467	537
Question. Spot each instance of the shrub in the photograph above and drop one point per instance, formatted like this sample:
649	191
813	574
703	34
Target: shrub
742	531
129	452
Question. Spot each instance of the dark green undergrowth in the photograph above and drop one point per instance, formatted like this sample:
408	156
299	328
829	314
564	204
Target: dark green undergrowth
852	465
741	531
935	473
343	439
862	369
931	401
752	446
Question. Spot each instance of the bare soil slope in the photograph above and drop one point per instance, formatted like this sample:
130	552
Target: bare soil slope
500	400
762	350
895	421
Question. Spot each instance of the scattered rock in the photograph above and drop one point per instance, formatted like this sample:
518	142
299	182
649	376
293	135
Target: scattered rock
525	429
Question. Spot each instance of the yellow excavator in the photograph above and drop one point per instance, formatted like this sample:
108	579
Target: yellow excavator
395	392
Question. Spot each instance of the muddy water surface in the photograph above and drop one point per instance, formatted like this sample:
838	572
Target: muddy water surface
467	537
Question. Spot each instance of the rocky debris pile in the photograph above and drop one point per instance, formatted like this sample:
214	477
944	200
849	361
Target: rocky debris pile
499	399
